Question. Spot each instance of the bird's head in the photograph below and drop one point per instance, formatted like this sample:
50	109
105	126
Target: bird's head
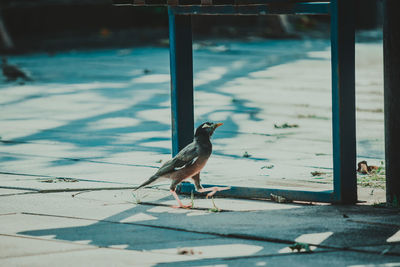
207	129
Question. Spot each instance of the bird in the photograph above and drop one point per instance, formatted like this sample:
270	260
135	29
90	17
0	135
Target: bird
188	163
12	72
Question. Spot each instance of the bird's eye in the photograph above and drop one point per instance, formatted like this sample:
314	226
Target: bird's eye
206	125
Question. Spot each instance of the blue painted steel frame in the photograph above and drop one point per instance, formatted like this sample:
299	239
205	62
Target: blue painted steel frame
258	9
343	101
181	66
343	93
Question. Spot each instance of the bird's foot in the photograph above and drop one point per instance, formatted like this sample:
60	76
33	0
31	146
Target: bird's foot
216	189
181	206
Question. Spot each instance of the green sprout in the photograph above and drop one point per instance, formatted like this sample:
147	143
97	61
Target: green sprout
137	198
192	199
299	246
215	208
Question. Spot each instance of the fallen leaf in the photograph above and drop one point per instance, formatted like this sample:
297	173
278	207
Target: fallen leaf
280	199
246	155
267	167
59	180
185	251
299	246
317	173
286	125
363	168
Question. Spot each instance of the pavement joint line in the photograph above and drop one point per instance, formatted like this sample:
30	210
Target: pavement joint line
86	190
45	191
61	190
18	194
79	159
20	188
147	251
59	177
374	223
88	245
275	255
194	208
237	236
10	213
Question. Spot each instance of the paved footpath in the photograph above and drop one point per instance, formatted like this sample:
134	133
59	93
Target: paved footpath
105	228
95	123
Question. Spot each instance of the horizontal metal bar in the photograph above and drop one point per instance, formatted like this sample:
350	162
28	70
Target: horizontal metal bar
295	9
254	193
209	2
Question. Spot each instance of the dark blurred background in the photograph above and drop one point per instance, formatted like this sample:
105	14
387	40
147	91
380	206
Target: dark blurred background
44	25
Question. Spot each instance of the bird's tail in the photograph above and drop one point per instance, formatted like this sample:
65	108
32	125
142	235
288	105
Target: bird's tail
149	181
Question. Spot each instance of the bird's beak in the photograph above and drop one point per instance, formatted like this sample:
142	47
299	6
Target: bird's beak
217	125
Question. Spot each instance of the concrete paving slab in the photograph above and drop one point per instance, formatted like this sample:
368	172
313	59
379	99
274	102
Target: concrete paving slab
389	249
124	121
9	192
97	257
333	258
163	197
60	184
12	224
294	219
96	233
290	224
111	127
64	204
16	246
214	247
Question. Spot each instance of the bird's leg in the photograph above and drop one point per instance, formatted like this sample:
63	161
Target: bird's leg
212	190
179	201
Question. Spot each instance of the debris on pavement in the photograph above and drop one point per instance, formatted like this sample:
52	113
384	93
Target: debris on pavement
371	176
286	125
317	173
246	155
59	180
363	168
300	246
280	199
267	167
187	251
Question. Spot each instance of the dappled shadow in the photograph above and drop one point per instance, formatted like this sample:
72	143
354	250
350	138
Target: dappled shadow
118	78
236	234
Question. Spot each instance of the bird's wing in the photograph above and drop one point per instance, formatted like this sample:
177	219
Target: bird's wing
186	157
13	70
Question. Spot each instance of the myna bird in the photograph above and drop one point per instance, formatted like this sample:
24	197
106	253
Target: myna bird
12	73
188	163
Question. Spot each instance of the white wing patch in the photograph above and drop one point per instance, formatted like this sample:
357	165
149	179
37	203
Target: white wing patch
178	168
188	164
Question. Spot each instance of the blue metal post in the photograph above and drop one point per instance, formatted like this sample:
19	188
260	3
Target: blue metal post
181	61
391	56
343	100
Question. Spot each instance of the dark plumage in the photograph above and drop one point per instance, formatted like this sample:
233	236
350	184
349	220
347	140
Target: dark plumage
12	73
189	162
